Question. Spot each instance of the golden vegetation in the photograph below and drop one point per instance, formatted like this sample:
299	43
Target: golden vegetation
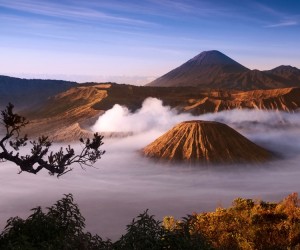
248	224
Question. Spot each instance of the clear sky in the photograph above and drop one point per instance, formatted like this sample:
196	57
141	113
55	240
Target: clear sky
135	40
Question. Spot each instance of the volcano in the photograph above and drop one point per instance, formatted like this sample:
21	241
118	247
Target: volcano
204	69
214	70
206	142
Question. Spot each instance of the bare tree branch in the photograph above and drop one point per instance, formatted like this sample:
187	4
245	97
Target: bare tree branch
57	163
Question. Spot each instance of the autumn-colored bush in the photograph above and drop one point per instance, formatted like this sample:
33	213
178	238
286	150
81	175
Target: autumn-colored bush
248	225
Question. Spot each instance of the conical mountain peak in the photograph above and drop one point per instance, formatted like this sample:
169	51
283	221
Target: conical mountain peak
206	142
213	57
206	69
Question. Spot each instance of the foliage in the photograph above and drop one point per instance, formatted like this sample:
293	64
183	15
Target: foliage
182	236
57	163
249	225
60	228
245	225
144	232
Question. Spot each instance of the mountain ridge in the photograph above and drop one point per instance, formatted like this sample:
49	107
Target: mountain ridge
213	69
30	92
84	104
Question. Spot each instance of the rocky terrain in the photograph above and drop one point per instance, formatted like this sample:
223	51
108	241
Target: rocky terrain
71	113
205	142
65	116
198	101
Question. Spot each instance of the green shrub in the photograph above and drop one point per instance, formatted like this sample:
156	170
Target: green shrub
60	228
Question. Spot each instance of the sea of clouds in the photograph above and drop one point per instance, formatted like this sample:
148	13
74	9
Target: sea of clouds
124	183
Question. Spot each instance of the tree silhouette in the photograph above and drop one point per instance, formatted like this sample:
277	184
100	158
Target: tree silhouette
57	163
61	226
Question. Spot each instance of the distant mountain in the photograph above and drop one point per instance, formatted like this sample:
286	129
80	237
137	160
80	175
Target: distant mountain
29	92
251	80
285	73
206	68
205	142
213	69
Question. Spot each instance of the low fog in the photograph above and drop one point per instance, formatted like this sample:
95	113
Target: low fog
124	183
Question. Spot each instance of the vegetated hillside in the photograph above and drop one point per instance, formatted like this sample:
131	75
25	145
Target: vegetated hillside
205	142
29	92
212	69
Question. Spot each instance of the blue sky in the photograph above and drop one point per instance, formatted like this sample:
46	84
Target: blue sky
133	41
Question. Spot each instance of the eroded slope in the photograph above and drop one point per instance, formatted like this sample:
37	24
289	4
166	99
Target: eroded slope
205	142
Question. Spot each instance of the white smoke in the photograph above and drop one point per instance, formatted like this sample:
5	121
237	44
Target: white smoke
247	115
152	115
